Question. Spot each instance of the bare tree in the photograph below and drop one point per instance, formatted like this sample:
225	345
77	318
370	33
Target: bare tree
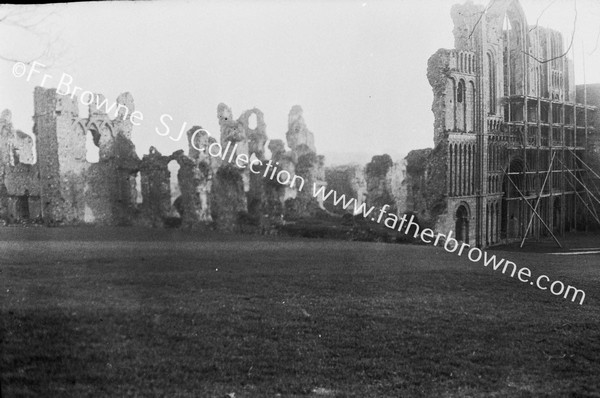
543	61
33	25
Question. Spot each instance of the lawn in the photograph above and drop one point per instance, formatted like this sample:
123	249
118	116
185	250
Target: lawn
132	312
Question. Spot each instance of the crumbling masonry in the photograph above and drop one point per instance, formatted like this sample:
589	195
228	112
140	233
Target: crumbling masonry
516	142
61	187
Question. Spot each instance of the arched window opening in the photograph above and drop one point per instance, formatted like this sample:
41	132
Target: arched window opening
92	146
460	92
139	199
252	121
462	224
514	65
174	167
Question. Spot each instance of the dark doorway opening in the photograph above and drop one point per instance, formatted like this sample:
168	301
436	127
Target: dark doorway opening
23	206
462	224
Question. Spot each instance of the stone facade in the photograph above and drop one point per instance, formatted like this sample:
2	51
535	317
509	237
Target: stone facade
509	126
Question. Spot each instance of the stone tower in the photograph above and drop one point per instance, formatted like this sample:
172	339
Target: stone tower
61	157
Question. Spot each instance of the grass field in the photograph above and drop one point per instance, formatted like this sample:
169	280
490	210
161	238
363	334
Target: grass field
131	312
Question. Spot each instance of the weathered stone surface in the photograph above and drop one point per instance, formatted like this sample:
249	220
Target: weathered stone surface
190	180
4	210
467	24
426	183
63	184
438	67
284	160
299	138
232	131
227	198
206	166
20	185
234	140
198	142
156	189
346	180
379	191
23	148
277	148
308	165
257	137
72	189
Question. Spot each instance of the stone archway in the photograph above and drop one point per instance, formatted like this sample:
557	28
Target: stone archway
462	223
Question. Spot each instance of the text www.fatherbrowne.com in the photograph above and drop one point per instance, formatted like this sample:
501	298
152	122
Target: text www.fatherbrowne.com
451	245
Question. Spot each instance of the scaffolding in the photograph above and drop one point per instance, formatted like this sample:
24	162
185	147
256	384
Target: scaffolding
547	188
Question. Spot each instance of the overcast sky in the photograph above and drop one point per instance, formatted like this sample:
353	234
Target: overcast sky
358	68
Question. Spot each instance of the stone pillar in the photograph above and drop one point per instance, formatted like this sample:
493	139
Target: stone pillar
156	189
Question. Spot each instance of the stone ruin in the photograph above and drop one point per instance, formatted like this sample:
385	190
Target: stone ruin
379	182
510	129
60	186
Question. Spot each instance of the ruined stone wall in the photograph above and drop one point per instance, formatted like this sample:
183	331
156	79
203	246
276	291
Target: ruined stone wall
73	190
277	194
379	192
51	113
426	185
308	165
235	137
23	147
111	194
65	187
230	183
346	180
4	206
156	189
20	181
396	176
22	184
438	74
195	192
228	198
257	139
299	138
284	160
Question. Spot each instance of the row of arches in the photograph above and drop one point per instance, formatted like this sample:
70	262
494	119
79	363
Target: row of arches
462	104
461	163
497	156
88	139
494	183
466	62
